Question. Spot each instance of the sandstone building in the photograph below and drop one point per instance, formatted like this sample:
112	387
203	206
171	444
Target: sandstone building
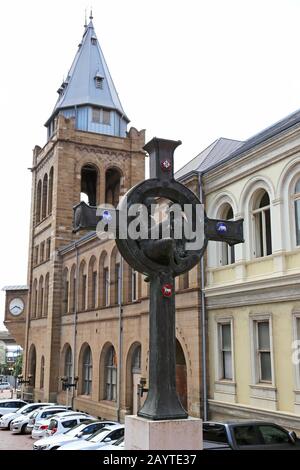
85	312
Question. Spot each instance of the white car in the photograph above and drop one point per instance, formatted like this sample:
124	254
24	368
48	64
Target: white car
10	405
118	445
81	431
5	386
97	440
7	419
20	424
72	418
43	414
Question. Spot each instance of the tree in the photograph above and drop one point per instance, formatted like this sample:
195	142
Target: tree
18	365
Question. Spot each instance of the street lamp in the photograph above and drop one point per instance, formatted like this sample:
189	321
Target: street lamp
66	384
24	381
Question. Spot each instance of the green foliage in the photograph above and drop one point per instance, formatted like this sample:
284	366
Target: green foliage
18	366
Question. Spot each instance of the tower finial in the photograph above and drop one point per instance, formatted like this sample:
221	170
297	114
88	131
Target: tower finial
85	19
91	14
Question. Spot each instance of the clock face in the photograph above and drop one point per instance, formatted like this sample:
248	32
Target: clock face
16	306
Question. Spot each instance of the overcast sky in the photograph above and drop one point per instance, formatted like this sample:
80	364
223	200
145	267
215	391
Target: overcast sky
194	70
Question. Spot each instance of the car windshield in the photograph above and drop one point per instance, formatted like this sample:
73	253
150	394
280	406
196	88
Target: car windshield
76	429
97	436
24	409
119	441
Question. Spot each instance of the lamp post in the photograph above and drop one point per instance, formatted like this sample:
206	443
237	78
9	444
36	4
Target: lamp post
67	384
23	381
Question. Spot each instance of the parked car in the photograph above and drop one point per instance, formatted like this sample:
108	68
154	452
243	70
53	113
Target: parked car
97	440
80	431
44	413
5	386
69	420
8	418
20	424
118	445
248	435
10	405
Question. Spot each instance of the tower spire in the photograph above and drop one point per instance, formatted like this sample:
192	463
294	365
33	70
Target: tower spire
91	14
88	92
85	19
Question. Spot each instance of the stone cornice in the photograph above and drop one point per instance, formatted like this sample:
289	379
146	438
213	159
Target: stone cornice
280	289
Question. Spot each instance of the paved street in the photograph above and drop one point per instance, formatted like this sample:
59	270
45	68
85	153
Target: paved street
9	441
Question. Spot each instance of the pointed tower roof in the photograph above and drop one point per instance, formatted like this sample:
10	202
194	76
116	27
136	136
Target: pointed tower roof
88	81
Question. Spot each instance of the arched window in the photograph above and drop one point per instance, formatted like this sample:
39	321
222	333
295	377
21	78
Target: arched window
262	225
115	277
87	372
38	202
82	286
65	296
103	280
68	366
41	297
72	289
44	198
133	375
111	374
297	211
42	372
134	286
227	251
34	299
32	365
184	281
112	186
46	295
92	283
89	179
181	375
50	192
136	360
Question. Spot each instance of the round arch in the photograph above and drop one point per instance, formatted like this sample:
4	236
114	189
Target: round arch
107	347
31	367
133	375
85	364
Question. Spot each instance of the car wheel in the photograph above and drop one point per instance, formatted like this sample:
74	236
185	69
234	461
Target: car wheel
23	428
10	425
55	448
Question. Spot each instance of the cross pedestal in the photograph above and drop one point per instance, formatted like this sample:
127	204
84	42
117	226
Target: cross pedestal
173	434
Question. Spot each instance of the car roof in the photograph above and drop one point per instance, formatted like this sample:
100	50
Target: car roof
53	407
2	400
238	422
68	414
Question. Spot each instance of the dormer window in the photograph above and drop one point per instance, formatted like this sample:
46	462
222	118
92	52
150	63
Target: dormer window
99	80
94	40
62	87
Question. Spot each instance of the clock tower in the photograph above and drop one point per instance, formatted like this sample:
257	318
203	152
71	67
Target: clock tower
91	156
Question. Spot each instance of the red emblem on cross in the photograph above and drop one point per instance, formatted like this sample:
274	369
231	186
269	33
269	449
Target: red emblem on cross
166	165
167	290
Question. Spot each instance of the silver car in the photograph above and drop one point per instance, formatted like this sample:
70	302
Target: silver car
7	419
20	422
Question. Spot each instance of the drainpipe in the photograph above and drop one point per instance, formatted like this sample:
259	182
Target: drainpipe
75	324
202	321
120	296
